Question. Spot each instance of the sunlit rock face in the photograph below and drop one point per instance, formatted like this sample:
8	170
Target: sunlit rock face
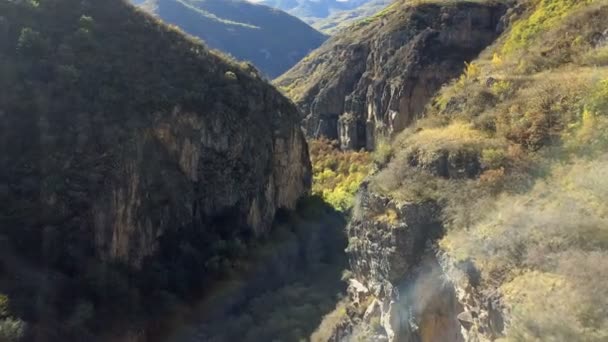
405	290
374	79
390	255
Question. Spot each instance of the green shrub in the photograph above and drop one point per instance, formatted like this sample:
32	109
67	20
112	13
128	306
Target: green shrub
31	43
502	88
230	75
4	308
598	100
86	22
493	158
383	152
329	323
11	330
337	174
546	15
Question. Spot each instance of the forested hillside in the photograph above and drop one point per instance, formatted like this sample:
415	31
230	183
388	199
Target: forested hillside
137	168
153	189
488	220
270	39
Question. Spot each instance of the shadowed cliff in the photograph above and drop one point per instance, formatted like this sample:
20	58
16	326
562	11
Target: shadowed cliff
118	134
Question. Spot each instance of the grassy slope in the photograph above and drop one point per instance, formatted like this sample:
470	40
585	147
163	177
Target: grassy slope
272	40
534	108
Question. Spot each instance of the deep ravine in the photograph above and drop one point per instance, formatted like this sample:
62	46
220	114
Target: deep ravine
280	291
452	188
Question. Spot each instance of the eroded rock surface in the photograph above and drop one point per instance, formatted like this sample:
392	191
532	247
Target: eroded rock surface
137	137
375	78
403	289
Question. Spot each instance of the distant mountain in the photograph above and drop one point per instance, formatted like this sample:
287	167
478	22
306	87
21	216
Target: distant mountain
328	14
318	8
271	39
341	19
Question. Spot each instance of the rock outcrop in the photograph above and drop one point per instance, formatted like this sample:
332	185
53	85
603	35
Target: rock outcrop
396	279
192	170
135	131
136	167
376	77
403	289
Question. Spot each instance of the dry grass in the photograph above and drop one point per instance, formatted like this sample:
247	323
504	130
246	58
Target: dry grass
535	108
454	136
330	323
536	244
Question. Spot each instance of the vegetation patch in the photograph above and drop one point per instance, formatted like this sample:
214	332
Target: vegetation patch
330	322
454	136
390	216
546	15
11	329
533	222
337	174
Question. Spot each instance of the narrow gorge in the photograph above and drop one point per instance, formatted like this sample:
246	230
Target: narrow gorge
432	173
367	84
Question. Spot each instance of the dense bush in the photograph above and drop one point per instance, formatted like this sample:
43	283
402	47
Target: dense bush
545	15
551	241
337	174
284	286
11	329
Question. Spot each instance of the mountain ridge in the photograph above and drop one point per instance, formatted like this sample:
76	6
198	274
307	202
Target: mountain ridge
328	15
136	163
271	39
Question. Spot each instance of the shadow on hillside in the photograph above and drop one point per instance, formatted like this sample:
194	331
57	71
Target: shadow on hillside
289	281
214	284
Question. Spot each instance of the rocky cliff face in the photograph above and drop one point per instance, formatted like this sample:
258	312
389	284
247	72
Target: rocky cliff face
388	249
135	166
123	144
376	77
189	170
403	289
